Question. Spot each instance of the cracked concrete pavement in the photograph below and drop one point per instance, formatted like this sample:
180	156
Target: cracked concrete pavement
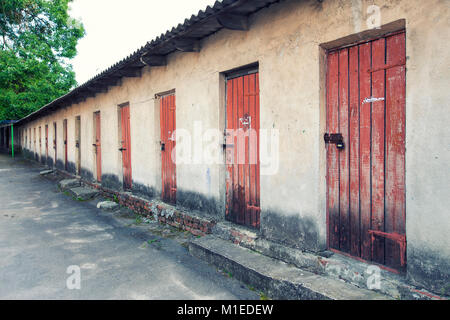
43	232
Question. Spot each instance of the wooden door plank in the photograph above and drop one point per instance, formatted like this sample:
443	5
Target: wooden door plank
163	107
253	144
378	147
246	132
98	146
236	195
241	151
332	152
344	218
395	148
229	141
365	148
172	150
353	145
257	127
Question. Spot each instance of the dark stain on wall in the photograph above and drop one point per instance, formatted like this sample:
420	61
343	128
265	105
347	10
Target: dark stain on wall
87	174
291	230
143	190
429	269
26	153
49	161
71	167
60	165
196	201
111	181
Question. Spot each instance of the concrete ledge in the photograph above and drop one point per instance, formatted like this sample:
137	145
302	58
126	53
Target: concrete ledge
276	278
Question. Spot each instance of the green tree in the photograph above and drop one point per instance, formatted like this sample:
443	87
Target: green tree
37	40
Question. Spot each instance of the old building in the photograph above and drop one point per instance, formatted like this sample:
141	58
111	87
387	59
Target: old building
319	125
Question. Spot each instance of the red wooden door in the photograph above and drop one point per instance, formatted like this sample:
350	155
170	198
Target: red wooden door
366	178
78	145
46	142
40	144
126	146
98	146
168	157
242	150
55	144
65	143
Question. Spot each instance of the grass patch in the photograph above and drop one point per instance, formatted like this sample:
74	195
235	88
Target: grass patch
138	220
226	273
152	241
262	296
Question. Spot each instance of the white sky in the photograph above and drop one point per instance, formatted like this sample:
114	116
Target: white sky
116	28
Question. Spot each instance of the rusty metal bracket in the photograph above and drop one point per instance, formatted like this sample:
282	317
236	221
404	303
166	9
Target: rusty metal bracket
227	145
250	207
387	66
396	237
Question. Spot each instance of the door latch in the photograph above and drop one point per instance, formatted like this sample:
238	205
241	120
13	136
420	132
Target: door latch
335	138
163	146
225	146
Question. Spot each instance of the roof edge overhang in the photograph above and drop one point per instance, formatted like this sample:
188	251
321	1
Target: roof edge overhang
228	14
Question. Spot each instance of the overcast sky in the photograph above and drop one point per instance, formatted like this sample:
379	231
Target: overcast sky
116	28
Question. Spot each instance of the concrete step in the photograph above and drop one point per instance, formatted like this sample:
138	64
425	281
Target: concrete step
69	184
273	277
83	193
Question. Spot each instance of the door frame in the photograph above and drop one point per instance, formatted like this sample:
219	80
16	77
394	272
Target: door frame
171	198
66	160
77	128
97	146
391	29
46	143
55	143
242	71
40	143
120	146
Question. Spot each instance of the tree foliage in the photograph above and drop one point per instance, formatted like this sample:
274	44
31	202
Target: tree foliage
37	39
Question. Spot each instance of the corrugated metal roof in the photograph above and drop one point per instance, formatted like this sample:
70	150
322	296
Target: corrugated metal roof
197	27
7	123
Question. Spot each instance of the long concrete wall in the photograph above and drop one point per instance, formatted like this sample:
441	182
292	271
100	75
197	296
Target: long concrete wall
288	41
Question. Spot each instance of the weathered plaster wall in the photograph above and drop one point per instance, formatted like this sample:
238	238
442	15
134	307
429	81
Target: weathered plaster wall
285	39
